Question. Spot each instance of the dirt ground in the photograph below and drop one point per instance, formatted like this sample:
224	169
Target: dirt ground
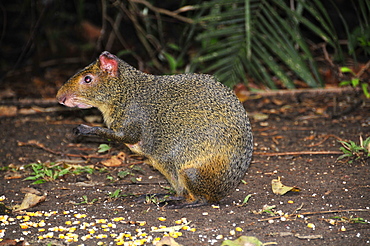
296	138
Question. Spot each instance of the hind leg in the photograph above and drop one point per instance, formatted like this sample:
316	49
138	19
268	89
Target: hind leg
206	182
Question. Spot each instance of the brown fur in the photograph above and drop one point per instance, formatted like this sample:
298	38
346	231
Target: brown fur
191	127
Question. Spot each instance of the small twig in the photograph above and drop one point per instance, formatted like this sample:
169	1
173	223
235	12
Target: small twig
104	25
165	11
299	208
36	144
326	55
142	35
325	138
365	68
300	153
318	212
298	92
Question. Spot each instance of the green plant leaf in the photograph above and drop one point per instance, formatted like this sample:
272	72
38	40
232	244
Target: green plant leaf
345	83
364	87
103	148
171	61
261	39
40	181
346	70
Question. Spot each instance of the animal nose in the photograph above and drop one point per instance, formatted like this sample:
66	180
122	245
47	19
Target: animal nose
62	99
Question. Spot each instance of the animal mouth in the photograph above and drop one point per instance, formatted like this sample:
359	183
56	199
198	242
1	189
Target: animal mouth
73	102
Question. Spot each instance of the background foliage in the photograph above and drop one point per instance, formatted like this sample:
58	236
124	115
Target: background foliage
274	44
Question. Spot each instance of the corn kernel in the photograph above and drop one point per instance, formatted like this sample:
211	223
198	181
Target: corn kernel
162	219
80	216
26	218
23	226
332	222
141	223
311	225
238	229
117	219
72	229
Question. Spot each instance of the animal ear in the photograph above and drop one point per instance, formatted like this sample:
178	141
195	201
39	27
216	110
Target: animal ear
109	63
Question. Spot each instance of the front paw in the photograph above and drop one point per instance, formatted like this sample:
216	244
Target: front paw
83	130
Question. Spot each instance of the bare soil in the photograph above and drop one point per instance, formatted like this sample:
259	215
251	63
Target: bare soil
296	138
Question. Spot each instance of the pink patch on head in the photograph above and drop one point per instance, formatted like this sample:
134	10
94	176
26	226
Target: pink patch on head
109	63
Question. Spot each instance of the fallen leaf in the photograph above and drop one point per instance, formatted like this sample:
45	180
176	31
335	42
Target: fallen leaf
279	189
13	176
7	93
8	110
277	101
312	137
258	116
30	200
168	241
11	242
241	92
115	160
93	118
243	241
30	190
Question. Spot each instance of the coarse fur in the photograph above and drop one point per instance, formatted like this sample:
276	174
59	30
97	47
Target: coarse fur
192	128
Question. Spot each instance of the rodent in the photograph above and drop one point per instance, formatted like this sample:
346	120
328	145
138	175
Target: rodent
191	127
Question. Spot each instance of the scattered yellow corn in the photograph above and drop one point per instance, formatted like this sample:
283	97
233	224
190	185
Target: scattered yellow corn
311	225
239	229
162	219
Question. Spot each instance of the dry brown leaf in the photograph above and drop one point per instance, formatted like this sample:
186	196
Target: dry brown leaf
30	190
115	160
241	92
30	200
168	241
279	189
259	116
243	241
8	111
13	176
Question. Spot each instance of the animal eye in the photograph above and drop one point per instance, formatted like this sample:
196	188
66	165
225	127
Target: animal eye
87	79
